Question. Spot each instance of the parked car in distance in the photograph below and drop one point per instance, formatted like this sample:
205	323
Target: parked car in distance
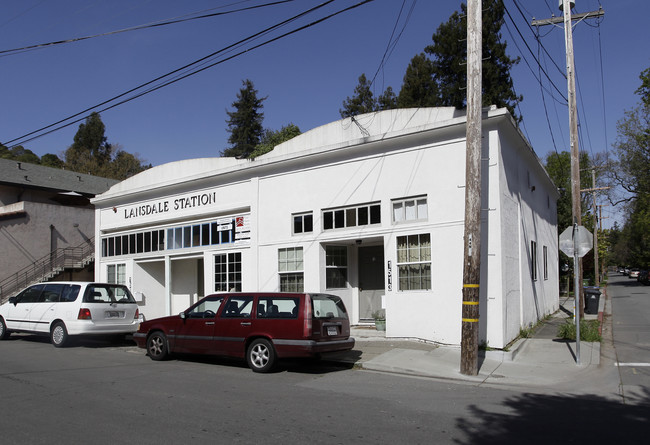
644	277
260	327
634	273
68	309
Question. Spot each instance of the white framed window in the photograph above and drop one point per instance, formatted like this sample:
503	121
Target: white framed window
116	273
336	267
303	223
533	260
291	269
361	215
227	272
414	262
545	262
410	209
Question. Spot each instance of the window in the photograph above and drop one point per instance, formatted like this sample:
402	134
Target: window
352	216
414	262
277	307
336	267
51	293
238	307
197	235
208	308
533	259
410	209
31	295
545	262
227	272
290	268
303	223
116	273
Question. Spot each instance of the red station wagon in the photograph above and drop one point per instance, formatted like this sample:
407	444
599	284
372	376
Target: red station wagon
262	327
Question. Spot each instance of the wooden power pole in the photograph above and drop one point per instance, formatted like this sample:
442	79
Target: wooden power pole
472	233
565	6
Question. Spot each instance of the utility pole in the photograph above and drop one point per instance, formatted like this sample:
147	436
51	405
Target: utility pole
565	6
593	191
472	232
593	197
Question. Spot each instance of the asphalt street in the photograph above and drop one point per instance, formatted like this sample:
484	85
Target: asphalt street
105	392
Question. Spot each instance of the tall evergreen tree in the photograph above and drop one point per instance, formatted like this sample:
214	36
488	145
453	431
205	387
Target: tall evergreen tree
362	102
90	152
449	57
419	88
387	100
245	122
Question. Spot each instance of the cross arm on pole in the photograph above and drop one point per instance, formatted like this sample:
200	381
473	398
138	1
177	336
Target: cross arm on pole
574	17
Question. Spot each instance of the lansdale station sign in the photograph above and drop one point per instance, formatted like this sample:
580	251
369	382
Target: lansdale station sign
167	205
172	207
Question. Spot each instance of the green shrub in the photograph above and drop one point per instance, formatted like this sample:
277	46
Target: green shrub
588	330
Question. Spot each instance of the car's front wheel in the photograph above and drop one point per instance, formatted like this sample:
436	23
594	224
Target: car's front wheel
261	355
157	346
59	335
4	333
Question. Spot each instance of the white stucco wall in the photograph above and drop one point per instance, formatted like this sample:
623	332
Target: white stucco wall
378	158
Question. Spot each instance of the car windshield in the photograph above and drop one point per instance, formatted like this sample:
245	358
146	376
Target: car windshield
327	306
108	293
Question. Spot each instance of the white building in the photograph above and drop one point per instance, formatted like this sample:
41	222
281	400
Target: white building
370	209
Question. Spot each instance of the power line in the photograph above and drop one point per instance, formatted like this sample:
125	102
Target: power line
531	52
537	37
390	46
20	140
11	52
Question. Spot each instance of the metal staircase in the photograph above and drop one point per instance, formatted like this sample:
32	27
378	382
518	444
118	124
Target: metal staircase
48	267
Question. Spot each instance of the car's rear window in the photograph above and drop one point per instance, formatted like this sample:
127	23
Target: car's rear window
327	306
107	293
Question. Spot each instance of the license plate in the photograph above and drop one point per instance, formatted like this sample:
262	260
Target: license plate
113	314
331	330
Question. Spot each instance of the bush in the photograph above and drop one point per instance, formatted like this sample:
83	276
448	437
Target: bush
588	330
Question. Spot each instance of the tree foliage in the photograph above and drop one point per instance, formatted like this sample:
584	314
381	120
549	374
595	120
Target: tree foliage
558	167
630	179
90	150
91	153
419	88
245	122
449	57
19	153
437	77
364	101
271	138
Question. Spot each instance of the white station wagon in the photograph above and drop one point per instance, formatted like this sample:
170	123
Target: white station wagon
64	309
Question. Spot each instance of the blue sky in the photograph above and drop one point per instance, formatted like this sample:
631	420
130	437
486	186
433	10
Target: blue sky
306	76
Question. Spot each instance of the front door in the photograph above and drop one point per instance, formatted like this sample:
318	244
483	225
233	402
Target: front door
371	280
234	325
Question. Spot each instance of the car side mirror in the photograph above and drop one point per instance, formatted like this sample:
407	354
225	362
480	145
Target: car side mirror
183	315
13	300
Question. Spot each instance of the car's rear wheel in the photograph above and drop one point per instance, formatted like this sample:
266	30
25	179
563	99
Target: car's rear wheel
157	346
261	355
59	335
4	333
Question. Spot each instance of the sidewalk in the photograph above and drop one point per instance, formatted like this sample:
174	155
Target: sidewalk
541	363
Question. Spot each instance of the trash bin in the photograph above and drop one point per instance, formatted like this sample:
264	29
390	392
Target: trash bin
592	299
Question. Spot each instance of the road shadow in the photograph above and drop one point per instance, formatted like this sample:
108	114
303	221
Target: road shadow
295	365
92	341
543	419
